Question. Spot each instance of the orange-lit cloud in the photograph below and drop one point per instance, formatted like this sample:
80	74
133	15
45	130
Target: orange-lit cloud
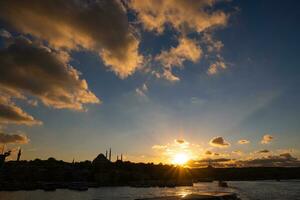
267	139
243	141
12	114
212	45
184	17
31	68
210	153
98	26
13	138
215	67
181	15
187	49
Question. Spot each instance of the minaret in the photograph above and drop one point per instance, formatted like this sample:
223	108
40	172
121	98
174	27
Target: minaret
109	154
122	157
106	154
19	155
117	157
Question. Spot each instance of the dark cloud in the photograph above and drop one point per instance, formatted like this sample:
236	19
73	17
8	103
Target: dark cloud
210	153
263	151
219	142
156	14
30	68
283	160
216	160
286	155
180	141
96	25
13	139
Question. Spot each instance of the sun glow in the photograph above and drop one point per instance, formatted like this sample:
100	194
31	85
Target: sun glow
180	159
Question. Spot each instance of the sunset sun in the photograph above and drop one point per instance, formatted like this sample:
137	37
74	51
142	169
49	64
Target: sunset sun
180	159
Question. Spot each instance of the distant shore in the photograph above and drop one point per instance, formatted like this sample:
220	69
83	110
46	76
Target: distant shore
52	174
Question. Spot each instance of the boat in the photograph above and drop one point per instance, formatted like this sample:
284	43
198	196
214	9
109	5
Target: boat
199	196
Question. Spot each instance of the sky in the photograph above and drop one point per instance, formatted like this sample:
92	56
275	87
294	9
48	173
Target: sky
204	79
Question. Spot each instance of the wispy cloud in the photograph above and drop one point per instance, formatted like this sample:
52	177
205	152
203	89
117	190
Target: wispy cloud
141	91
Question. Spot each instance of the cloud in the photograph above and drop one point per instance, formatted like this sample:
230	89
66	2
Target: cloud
210	153
263	151
282	160
141	91
237	152
181	15
243	141
180	141
187	49
219	142
168	75
31	68
98	26
13	139
285	160
267	139
184	17
215	67
212	44
10	113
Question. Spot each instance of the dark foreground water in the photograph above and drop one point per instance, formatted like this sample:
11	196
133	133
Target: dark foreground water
254	190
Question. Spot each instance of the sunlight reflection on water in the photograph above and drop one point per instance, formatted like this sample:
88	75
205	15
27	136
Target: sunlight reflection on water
256	190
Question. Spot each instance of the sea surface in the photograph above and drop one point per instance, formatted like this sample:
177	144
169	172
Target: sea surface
247	190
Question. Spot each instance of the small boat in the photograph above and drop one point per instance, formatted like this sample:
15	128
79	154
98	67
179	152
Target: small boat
200	196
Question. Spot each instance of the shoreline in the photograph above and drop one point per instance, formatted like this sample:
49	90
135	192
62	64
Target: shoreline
84	186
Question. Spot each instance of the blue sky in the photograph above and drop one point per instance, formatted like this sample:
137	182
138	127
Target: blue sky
256	94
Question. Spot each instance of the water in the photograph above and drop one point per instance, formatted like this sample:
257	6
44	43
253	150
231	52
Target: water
255	190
